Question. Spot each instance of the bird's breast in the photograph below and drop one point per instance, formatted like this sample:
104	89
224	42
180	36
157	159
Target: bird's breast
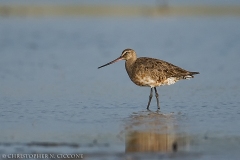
145	81
151	82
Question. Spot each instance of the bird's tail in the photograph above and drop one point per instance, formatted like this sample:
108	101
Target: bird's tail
190	75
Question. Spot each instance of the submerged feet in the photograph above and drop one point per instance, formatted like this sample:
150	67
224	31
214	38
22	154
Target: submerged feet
150	98
156	94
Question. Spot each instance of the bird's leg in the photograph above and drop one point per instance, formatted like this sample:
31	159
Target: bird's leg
150	98
156	94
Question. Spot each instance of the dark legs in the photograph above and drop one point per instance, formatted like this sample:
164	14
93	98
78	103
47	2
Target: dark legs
156	94
150	98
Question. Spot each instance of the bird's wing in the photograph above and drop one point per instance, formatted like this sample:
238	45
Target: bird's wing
156	68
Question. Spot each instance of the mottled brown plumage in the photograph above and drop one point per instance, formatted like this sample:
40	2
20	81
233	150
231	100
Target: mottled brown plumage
151	72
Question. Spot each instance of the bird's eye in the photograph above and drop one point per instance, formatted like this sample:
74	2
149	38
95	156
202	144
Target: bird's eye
124	53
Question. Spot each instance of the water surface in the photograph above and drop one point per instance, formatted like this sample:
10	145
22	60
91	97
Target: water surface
54	99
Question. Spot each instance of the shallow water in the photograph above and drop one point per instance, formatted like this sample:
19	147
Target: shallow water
53	98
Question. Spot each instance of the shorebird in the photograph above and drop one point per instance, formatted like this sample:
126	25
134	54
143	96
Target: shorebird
151	72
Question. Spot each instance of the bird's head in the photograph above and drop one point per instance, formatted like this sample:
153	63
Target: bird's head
126	55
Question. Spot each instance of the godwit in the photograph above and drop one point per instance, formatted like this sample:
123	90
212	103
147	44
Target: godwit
144	71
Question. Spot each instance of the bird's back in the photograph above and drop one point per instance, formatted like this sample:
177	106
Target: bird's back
154	72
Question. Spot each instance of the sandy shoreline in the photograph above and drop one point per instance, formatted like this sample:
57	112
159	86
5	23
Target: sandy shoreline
119	10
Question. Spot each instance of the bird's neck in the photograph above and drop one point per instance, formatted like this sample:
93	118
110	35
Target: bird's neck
129	65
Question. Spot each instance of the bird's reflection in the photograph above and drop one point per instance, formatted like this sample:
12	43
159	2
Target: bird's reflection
151	132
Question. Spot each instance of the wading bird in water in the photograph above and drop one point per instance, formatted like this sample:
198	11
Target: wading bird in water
150	72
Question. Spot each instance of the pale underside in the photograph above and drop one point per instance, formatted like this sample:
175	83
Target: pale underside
149	82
